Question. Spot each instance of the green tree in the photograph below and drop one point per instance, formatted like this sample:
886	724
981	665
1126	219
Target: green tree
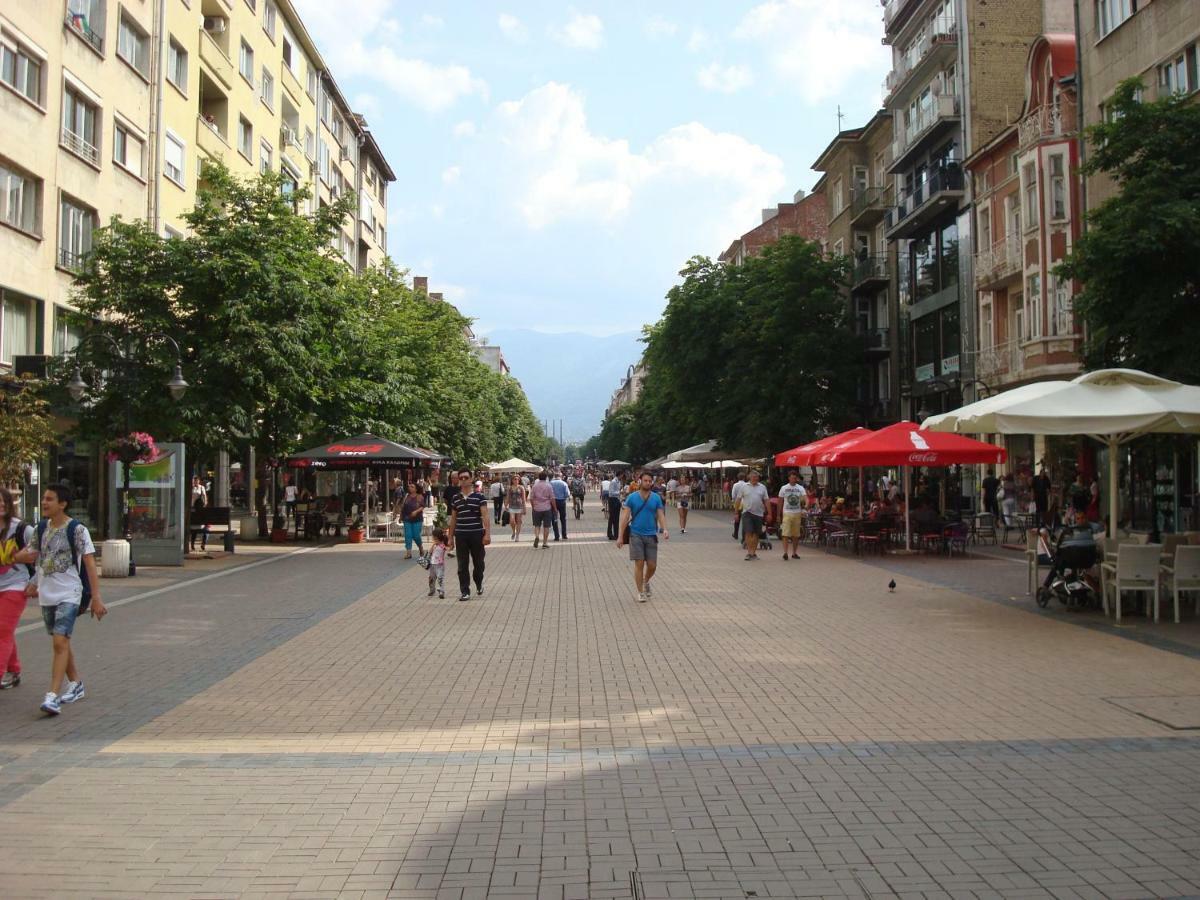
26	428
1136	266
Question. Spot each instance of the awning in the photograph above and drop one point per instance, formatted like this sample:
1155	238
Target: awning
361	452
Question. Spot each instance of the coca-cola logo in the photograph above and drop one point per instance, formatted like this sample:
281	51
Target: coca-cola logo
354	449
923	459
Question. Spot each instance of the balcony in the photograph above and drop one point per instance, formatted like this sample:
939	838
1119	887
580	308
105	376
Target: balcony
210	140
80	25
867	205
1000	363
869	271
1054	121
919	206
290	82
216	59
71	260
288	137
80	146
998	263
945	109
920	55
876	341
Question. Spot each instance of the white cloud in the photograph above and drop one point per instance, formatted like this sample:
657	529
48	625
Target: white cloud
431	21
658	27
464	129
559	170
697	40
423	84
724	79
583	31
819	48
513	28
451	174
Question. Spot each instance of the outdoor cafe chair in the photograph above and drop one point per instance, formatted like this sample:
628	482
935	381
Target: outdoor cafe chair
956	535
985	528
1136	569
1183	574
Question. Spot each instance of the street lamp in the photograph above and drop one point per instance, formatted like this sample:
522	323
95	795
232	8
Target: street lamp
177	387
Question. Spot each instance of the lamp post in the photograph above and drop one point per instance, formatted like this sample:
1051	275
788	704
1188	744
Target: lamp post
177	387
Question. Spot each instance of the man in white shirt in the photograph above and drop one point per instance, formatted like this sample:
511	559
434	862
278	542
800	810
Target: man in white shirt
735	495
754	499
795	499
496	494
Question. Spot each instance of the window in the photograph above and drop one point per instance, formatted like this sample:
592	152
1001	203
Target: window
75	225
1178	76
323	161
1029	180
245	138
291	180
177	65
326	109
289	55
268	88
1012	216
19	199
86	18
1062	321
382	238
80	125
20	69
173	158
269	16
1058	187
264	157
987	332
67	331
839	248
246	62
1033	307
835	193
128	149
312	81
310	148
985	229
133	45
17	326
1111	13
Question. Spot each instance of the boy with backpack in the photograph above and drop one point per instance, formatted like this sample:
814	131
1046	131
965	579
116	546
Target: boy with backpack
67	585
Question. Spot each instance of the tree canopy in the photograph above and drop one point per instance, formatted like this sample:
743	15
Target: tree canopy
1137	262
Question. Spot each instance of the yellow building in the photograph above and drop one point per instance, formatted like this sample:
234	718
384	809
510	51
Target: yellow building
111	107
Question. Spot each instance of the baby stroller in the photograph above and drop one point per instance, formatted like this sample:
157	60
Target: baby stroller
1075	552
771	523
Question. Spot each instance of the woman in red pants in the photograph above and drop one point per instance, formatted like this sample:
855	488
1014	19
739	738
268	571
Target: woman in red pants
14	576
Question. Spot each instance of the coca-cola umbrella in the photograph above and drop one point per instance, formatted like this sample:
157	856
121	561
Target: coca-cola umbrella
804	454
905	445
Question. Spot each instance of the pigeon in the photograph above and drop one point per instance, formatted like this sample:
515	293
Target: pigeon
892	586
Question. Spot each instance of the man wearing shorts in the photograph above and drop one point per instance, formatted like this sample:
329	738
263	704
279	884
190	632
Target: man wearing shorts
754	499
794	498
541	499
646	516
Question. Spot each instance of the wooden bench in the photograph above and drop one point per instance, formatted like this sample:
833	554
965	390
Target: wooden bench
215	518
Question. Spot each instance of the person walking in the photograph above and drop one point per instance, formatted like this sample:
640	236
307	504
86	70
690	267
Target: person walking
496	493
683	500
15	536
1041	495
735	495
64	555
516	505
645	514
437	564
541	499
753	497
562	500
613	509
411	511
991	490
471	532
794	498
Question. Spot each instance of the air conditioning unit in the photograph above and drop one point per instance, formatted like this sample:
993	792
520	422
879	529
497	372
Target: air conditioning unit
215	24
345	152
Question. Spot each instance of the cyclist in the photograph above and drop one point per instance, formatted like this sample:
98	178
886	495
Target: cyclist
578	492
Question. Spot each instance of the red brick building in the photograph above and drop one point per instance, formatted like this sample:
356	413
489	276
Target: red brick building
806	216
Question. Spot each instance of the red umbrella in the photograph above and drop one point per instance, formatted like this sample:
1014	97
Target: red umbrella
904	444
804	454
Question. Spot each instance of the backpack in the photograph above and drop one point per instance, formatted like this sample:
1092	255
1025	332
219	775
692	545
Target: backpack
19	537
73	526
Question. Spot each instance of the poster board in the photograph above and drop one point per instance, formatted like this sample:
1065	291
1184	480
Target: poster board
158	493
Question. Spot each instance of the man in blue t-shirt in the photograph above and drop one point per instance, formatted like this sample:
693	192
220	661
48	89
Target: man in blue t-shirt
646	517
562	497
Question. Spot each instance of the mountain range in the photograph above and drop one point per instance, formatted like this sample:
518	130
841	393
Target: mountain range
569	376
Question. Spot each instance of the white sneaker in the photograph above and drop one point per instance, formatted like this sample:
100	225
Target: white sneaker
72	691
50	704
646	590
642	597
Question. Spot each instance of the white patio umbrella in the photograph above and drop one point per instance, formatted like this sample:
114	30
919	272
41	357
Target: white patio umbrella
1112	406
513	465
703	453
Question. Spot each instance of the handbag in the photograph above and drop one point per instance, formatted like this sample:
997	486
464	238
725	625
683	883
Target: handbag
629	525
504	517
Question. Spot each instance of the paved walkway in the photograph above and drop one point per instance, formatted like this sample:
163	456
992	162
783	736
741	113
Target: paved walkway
318	727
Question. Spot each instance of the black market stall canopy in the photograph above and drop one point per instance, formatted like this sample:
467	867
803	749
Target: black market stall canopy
366	451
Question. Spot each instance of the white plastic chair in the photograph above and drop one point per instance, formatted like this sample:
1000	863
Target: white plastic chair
1136	569
1184	574
1031	559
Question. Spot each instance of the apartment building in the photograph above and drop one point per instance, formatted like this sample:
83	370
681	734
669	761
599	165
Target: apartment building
630	388
1155	40
111	108
855	184
955	84
805	216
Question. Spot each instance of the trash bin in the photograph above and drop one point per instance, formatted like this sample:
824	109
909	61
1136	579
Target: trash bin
229	541
114	559
248	527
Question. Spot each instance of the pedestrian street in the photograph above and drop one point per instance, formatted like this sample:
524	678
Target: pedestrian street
318	727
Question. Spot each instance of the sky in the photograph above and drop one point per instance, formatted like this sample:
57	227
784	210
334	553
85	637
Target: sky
558	164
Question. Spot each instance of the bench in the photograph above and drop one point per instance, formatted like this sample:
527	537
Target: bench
208	519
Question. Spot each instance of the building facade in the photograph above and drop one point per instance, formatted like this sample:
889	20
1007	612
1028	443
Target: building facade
630	388
855	184
112	108
805	216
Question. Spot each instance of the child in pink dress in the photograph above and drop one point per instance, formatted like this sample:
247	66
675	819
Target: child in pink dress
437	564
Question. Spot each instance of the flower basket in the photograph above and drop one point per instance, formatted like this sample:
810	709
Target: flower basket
135	447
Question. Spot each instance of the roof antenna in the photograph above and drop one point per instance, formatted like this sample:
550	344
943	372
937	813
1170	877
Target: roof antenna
840	116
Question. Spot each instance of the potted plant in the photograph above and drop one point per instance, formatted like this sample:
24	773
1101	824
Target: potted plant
356	532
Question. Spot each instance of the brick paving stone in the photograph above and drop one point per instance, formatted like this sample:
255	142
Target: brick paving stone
320	727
